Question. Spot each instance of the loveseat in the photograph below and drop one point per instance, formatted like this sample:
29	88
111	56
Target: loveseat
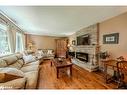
30	71
46	53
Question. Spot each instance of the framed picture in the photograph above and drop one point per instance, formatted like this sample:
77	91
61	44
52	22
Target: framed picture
111	38
73	42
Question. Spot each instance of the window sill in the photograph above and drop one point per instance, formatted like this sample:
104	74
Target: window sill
3	55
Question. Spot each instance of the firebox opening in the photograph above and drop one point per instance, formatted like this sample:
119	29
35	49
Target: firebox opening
82	56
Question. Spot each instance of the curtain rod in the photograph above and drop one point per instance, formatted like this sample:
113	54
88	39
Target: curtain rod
2	13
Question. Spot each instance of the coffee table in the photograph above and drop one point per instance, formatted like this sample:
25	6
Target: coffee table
61	64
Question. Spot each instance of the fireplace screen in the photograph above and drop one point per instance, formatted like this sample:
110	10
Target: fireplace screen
82	56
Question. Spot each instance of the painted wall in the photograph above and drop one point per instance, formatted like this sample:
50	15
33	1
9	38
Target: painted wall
117	24
71	38
42	42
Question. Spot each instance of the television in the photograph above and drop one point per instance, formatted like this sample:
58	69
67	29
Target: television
83	40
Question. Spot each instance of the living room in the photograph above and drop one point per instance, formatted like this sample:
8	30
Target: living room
30	57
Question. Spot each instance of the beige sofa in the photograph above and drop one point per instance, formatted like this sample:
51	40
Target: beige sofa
30	70
46	53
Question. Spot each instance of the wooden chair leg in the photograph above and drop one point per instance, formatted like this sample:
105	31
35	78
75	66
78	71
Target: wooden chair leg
105	70
57	73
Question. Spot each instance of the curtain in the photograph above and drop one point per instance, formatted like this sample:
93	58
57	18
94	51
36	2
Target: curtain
23	41
4	42
11	39
20	41
12	31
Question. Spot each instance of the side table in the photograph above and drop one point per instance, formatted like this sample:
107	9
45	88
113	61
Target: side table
112	65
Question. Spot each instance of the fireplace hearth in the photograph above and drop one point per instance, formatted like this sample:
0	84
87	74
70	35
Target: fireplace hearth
82	56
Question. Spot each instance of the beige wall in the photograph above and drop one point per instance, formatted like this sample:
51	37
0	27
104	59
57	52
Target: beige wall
71	38
117	24
42	42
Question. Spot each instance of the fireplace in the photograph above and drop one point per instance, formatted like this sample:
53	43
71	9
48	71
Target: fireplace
82	56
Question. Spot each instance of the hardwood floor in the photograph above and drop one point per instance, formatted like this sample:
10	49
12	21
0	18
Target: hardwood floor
81	79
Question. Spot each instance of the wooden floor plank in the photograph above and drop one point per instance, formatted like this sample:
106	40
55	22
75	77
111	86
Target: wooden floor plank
80	79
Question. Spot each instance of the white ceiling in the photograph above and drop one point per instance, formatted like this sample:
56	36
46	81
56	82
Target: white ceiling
58	20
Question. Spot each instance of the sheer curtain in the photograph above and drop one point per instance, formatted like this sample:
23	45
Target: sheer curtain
20	42
11	39
23	40
4	40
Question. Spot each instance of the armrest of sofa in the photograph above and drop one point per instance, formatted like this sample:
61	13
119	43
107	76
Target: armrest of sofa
14	84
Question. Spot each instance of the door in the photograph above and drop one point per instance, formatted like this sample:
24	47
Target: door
61	47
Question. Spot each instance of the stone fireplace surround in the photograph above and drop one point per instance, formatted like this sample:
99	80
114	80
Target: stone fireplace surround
91	63
91	49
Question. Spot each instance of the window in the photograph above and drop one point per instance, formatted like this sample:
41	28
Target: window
19	42
4	45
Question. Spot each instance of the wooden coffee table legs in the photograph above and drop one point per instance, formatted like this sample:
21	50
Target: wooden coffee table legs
71	70
58	67
58	70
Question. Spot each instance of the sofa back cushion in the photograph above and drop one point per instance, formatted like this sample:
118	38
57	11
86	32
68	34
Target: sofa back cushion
28	59
19	55
21	62
47	51
10	59
44	51
16	65
50	52
2	63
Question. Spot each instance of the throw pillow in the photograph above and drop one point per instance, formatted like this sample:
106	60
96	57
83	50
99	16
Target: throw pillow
8	74
21	61
19	55
29	58
40	51
2	63
49	52
10	59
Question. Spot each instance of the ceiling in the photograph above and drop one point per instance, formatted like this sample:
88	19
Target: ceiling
58	20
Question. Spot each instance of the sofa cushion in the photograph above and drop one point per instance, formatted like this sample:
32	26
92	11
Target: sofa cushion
2	63
21	62
7	74
19	55
10	59
14	84
32	63
30	68
50	52
16	65
28	58
40	52
44	52
32	78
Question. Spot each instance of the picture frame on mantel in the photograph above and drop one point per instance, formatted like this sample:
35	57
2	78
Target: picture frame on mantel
73	42
111	38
